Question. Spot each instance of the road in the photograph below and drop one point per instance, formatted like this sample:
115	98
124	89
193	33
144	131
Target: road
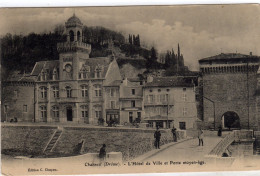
187	150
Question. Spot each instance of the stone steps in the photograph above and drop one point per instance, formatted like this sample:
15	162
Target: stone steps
53	141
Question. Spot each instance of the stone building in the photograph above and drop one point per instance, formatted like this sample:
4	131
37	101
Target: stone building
229	90
170	100
18	99
124	100
131	100
71	89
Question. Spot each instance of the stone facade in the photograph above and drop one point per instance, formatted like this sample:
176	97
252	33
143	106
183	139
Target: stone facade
18	101
170	100
71	89
230	83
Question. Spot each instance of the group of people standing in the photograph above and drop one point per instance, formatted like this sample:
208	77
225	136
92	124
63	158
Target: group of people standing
157	136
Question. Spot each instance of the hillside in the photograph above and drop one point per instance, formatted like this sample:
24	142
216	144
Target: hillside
19	53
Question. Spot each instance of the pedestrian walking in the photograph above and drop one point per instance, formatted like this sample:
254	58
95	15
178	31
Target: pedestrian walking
200	136
102	152
220	131
157	136
174	134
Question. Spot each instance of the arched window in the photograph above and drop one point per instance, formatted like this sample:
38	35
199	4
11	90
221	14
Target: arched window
84	111
55	110
68	91
78	36
54	75
84	91
43	112
98	92
43	92
98	72
71	33
56	92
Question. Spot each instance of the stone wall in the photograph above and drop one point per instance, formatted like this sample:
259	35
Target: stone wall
229	92
28	139
131	142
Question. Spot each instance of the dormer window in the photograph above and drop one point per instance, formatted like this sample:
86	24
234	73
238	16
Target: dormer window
84	72
54	75
43	76
98	72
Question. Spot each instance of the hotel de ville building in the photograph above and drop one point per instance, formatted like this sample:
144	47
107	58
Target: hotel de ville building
70	89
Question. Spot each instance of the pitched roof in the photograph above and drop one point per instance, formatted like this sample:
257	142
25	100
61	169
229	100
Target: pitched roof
170	82
93	63
47	65
229	56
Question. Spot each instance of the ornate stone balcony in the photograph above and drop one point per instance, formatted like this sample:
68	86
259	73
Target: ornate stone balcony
73	46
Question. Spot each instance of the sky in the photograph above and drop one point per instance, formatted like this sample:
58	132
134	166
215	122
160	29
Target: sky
201	30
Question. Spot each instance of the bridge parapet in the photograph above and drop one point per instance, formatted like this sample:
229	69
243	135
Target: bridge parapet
220	148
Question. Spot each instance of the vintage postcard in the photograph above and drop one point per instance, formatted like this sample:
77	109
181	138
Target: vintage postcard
130	89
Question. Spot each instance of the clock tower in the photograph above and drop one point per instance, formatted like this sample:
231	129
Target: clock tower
72	53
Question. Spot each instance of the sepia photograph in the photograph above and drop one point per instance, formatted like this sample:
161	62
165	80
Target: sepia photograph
130	89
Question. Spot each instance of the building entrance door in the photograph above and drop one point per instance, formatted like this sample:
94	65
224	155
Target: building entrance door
69	114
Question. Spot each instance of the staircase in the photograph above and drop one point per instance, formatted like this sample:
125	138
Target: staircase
55	137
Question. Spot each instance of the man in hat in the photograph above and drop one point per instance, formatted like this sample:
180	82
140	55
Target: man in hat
157	136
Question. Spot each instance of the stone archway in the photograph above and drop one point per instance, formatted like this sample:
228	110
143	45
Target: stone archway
230	120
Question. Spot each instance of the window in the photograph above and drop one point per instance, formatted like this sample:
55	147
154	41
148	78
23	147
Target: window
184	89
97	90
98	73
182	125
150	99
43	112
54	75
168	90
84	91
55	110
56	92
131	117
5	108
133	91
84	75
184	111
68	91
24	108
159	90
150	90
43	92
84	111
98	114
133	103
112	92
139	115
112	104
184	96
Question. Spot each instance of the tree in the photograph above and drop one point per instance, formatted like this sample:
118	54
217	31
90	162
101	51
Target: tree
152	60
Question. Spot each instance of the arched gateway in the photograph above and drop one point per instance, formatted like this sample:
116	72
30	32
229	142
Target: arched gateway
230	119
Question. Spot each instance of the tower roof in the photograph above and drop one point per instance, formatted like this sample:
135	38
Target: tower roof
73	21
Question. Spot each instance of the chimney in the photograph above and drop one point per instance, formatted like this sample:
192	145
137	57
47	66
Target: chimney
251	53
149	79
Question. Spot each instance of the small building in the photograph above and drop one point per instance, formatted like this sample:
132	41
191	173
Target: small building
170	101
18	98
131	100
